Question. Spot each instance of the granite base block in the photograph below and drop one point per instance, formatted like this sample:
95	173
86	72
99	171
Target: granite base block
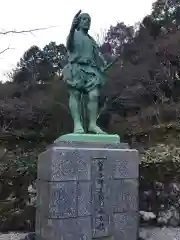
74	164
124	226
87	192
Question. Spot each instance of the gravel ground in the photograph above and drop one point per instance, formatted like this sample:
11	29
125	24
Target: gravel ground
145	233
160	233
12	236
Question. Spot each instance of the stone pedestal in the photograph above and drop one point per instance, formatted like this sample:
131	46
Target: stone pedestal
87	190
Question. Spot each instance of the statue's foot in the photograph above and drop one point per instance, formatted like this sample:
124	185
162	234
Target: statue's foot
95	129
79	130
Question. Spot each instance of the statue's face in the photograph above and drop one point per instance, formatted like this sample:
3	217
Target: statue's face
85	21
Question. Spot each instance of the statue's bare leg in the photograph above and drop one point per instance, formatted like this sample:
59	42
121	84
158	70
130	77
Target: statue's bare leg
93	111
74	105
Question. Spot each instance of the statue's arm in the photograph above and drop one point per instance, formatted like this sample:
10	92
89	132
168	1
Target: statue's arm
70	38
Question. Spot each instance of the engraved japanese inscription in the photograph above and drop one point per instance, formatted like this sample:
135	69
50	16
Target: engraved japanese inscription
101	218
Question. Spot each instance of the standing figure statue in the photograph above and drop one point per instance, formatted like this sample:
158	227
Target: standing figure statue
83	73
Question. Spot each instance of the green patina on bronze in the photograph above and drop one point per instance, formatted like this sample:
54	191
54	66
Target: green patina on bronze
83	74
105	138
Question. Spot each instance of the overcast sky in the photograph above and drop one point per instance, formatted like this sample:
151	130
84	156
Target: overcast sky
24	15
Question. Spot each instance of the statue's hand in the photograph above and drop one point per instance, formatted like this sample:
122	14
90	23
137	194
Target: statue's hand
75	21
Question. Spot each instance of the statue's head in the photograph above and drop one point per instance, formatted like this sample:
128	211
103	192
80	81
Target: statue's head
84	21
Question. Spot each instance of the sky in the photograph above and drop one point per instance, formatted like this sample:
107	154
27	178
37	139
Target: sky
58	14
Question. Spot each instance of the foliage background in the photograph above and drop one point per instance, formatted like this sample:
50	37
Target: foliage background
140	102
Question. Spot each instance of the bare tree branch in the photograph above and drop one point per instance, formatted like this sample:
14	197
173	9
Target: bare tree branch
4	50
100	37
21	32
25	31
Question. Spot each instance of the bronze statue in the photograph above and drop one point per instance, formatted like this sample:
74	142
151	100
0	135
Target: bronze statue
83	73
